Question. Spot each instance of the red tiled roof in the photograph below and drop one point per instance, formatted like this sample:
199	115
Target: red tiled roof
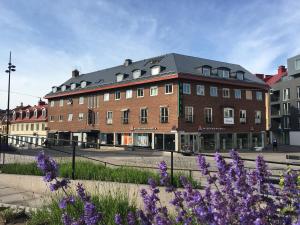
275	78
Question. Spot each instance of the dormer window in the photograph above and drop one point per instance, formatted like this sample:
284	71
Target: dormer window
44	113
223	72
136	74
35	113
63	88
120	77
73	86
83	84
155	70
14	115
54	89
206	70
21	114
27	114
240	75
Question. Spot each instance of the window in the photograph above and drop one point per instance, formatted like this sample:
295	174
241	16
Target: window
125	115
27	127
298	92
83	84
43	126
80	116
206	71
200	90
63	88
226	93
237	93
164	114
286	122
73	86
214	91
81	100
120	77
128	94
228	116
117	95
259	96
69	101
189	114
91	117
93	102
106	97
298	107
60	118
249	95
155	70
52	103
32	127
109	117
223	73
154	91
44	113
54	89
51	118
298	123
27	114
35	113
70	117
240	75
297	64
257	117
61	102
168	88
136	74
286	94
140	92
242	116
143	115
186	88
286	108
208	115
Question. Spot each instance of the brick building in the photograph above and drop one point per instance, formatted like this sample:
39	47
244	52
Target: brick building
167	102
29	123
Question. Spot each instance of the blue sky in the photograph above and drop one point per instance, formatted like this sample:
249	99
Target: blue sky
49	39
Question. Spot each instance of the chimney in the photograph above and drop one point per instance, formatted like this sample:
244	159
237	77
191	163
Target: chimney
75	73
21	104
127	62
281	70
41	103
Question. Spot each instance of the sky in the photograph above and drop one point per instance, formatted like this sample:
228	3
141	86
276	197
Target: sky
50	38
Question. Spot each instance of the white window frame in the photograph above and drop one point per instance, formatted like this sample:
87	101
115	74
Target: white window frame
136	74
240	75
200	90
83	84
258	117
153	91
81	100
211	92
189	114
120	77
109	120
228	115
51	119
35	113
168	89
44	113
298	92
155	70
117	95
243	116
163	118
73	86
60	118
250	96
208	117
237	93
106	97
286	94
186	88
80	116
144	116
63	88
52	103
128	94
206	68
259	96
226	92
70	117
137	92
61	102
54	89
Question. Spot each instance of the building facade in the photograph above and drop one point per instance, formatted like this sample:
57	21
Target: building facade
29	124
170	102
285	104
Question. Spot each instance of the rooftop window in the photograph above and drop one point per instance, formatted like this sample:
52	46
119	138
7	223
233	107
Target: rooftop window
120	77
83	84
54	89
240	75
73	86
155	70
63	88
136	74
223	72
206	70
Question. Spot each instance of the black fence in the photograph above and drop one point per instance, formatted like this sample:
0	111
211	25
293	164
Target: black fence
16	146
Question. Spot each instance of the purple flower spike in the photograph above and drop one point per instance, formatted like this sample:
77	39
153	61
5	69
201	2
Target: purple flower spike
131	220
81	193
118	219
203	165
164	177
48	166
66	201
91	216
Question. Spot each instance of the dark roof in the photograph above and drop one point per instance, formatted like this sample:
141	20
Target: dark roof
170	63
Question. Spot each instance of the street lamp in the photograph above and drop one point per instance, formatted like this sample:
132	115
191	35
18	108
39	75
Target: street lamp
11	68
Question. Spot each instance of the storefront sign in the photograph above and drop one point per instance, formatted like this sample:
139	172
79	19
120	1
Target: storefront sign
228	121
145	128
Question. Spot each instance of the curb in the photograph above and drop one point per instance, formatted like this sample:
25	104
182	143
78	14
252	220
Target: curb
17	208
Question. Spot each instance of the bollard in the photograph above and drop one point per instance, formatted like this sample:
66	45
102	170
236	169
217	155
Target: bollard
73	161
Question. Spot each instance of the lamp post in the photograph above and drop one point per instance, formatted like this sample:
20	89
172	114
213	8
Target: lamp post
11	68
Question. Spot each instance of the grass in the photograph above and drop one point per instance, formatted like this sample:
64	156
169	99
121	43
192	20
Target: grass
91	171
108	205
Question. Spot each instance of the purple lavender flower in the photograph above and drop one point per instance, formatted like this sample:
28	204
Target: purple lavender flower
118	219
203	165
131	220
91	216
64	183
164	177
81	193
66	219
48	166
66	201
